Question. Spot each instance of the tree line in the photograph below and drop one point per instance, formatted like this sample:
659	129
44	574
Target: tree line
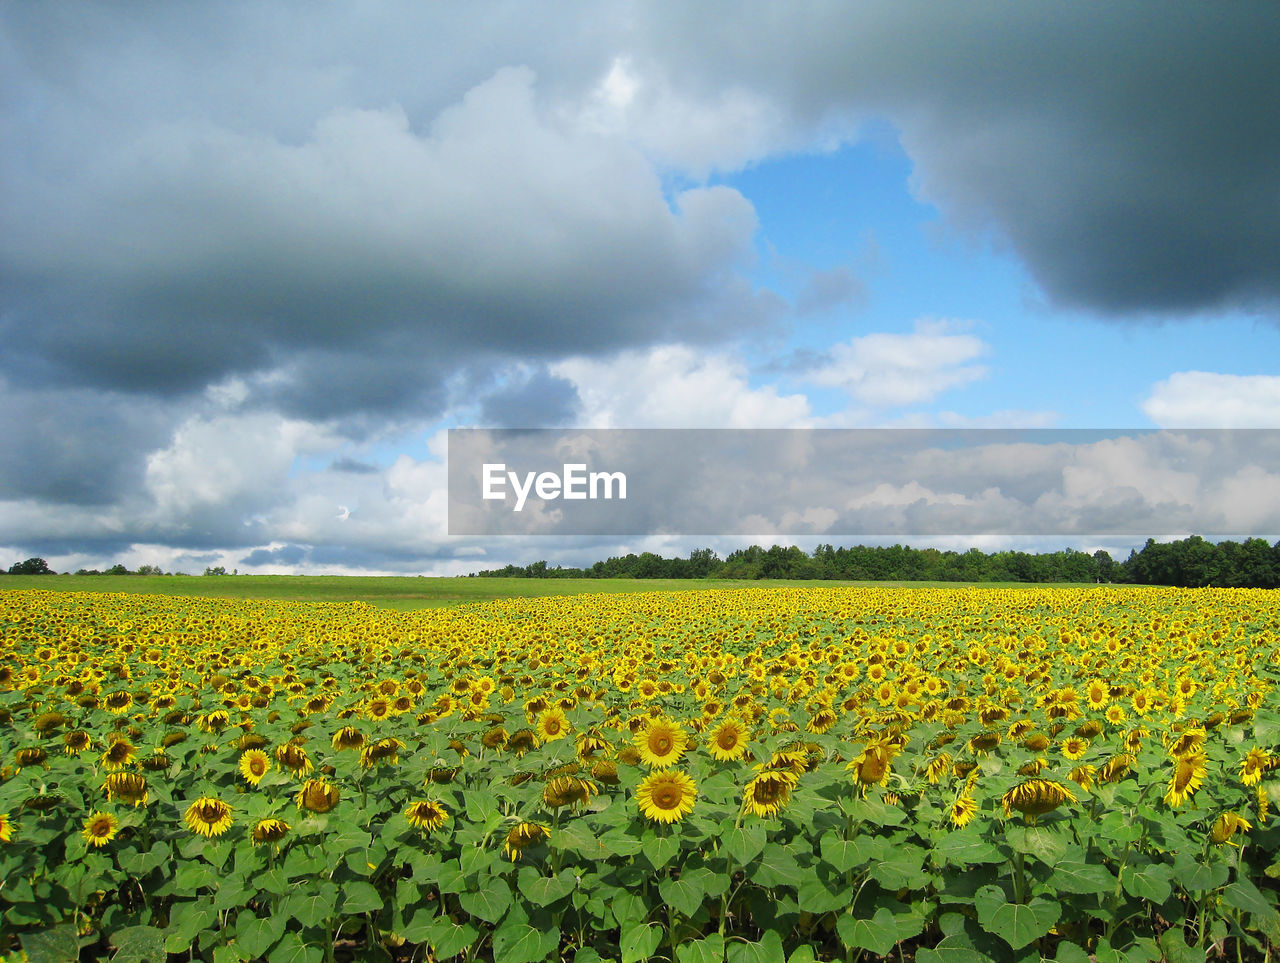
1191	562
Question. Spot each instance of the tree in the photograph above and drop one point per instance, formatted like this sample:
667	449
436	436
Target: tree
215	570
32	566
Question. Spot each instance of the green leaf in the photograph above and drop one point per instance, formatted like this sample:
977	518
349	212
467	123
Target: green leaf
819	896
686	893
58	944
346	840
1174	948
639	940
951	949
361	897
522	942
744	843
660	850
293	949
628	908
418	928
545	890
844	854
1194	876
187	920
709	950
1152	882
965	847
621	843
448	939
803	953
777	867
768	950
1069	952
257	936
1043	843
1074	876
1015	923
489	902
313	905
878	934
1243	895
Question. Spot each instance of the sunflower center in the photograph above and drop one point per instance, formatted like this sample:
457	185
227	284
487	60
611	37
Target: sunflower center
667	797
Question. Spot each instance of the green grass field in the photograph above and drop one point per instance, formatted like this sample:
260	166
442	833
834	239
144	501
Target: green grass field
403	593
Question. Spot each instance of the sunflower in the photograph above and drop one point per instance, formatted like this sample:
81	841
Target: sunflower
1116	714
100	828
523	835
74	742
6	828
127	787
1117	767
208	817
553	724
118	702
1255	763
1188	775
521	741
666	796
605	771
1226	826
1098	694
1083	776
293	757
1188	743
873	766
427	814
1035	797
495	737
962	810
661	743
768	793
1074	747
728	740
348	737
269	831
937	767
384	750
318	795
254	764
821	721
566	791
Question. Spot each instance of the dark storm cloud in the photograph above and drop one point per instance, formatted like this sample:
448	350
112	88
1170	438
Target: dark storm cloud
75	447
284	555
1126	151
157	245
541	400
352	467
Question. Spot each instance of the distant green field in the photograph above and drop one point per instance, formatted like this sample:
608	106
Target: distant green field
403	593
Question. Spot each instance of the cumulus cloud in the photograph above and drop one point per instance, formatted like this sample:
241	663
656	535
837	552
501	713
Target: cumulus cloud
378	250
883	369
1125	154
675	386
1206	399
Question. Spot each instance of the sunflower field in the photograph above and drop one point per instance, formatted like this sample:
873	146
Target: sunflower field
753	775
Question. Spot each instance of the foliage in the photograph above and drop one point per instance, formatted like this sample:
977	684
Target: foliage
972	774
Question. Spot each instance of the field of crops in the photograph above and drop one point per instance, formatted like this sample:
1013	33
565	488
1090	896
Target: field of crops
781	774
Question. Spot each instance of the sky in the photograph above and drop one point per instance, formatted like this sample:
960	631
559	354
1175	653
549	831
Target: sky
256	258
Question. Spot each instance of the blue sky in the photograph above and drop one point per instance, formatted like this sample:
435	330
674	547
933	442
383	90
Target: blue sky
246	287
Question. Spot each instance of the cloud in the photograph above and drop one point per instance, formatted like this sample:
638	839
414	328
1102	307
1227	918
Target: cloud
1126	157
536	399
361	264
829	288
885	369
1205	399
675	386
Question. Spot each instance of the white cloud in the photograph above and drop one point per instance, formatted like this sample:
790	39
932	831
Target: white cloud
677	387
1206	399
885	370
696	132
